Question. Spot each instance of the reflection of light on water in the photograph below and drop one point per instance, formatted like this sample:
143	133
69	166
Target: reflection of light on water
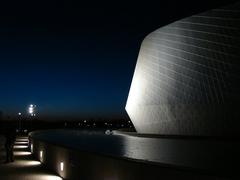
20	146
21	153
148	149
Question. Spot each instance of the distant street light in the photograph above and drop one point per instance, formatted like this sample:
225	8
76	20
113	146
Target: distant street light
19	121
32	109
32	113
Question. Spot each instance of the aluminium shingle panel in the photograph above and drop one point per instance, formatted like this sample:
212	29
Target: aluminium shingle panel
187	78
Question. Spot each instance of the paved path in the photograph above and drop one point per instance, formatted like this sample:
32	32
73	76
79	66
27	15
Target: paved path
24	167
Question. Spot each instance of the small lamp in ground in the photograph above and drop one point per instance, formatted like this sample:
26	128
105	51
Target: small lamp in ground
41	155
61	166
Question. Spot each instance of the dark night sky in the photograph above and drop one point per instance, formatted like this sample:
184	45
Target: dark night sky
73	59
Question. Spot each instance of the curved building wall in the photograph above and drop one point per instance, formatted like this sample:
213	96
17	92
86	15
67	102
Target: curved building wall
186	80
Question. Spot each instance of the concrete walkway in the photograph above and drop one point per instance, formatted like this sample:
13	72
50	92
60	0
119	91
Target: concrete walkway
24	167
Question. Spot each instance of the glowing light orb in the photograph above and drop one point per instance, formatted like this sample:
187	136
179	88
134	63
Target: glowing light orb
31	110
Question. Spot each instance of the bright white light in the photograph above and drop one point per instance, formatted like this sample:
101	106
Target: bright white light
21	143
31	109
25	163
19	114
32	163
21	153
31	148
108	132
61	166
20	147
41	155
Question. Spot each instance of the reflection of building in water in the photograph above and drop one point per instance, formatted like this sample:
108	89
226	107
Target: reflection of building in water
186	80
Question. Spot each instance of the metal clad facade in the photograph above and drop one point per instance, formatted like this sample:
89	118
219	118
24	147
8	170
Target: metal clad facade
186	80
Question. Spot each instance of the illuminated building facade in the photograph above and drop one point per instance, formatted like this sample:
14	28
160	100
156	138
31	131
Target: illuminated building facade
187	78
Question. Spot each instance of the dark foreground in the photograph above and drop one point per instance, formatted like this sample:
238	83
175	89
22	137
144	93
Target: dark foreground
24	167
121	156
203	158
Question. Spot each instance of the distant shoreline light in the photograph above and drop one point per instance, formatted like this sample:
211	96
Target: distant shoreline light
32	109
